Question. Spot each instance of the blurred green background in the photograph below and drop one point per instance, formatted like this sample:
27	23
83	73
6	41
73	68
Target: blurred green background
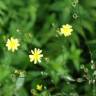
69	64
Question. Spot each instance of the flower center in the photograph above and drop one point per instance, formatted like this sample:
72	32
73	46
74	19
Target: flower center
12	44
36	56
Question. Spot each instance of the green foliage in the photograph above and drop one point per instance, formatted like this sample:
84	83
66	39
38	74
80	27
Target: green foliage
35	24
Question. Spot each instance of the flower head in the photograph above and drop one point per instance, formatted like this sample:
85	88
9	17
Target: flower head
39	87
12	44
36	56
66	30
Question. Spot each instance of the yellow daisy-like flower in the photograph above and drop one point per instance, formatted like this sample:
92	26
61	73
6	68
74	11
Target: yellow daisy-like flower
39	87
66	30
12	44
36	56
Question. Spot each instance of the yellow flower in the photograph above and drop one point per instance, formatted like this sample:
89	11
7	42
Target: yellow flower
66	30
20	73
12	44
39	87
36	56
